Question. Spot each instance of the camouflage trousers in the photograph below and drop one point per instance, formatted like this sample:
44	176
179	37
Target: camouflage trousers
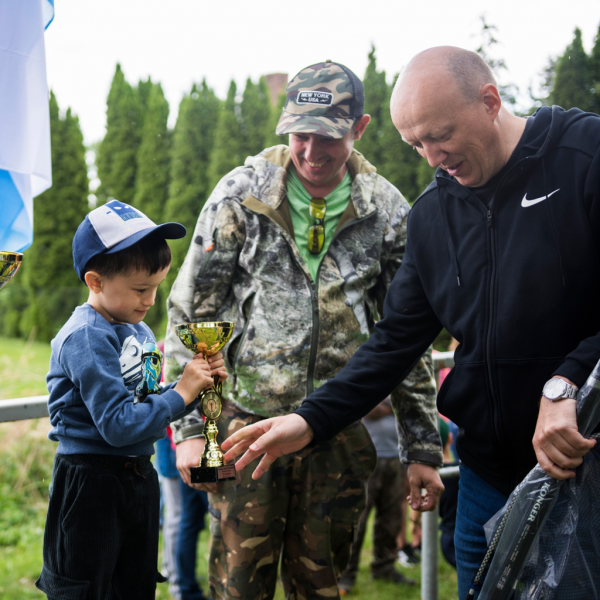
385	491
304	511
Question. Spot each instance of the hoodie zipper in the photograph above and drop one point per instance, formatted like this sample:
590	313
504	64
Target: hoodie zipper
314	296
491	304
314	299
490	327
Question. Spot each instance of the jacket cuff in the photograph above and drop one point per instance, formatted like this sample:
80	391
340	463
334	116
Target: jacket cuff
318	423
573	370
432	459
175	402
188	432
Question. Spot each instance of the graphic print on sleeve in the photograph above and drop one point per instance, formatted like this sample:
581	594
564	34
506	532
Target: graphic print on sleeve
141	366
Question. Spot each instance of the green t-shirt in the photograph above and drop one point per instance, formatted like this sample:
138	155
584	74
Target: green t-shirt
299	200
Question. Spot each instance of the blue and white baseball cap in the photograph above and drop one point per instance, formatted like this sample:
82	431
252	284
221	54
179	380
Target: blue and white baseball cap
112	227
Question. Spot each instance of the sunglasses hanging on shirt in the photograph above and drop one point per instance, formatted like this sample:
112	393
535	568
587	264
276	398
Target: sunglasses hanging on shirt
316	234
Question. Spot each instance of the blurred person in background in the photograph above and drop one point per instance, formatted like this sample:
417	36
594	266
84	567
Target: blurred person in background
385	491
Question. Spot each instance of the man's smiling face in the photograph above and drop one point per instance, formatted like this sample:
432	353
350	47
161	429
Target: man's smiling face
321	161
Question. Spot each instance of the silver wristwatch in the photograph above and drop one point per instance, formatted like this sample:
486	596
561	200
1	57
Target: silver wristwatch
558	389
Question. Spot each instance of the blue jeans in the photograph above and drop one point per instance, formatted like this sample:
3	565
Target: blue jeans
478	502
194	505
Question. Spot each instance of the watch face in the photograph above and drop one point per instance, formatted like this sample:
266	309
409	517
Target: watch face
555	388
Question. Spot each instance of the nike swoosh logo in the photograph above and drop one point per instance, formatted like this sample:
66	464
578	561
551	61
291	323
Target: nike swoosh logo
525	203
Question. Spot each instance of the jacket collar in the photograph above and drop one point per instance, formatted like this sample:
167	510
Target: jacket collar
271	167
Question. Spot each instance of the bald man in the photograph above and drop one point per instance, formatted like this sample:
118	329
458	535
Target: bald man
504	252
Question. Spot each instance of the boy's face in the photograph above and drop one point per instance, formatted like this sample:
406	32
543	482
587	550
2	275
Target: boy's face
124	298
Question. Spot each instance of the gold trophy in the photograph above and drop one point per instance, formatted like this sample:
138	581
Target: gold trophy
9	265
209	338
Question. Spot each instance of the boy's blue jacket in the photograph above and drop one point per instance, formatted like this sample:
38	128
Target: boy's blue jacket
516	283
94	369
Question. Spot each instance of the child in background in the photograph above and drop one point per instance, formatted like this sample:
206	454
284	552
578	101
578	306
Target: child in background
107	410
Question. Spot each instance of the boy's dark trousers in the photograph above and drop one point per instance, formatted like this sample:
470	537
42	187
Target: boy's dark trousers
101	537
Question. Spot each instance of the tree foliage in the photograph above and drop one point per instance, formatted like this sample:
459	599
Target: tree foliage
594	65
117	155
271	138
381	144
193	142
255	109
153	157
228	149
573	77
152	174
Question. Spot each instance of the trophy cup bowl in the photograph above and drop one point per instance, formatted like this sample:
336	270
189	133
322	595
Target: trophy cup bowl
209	338
9	265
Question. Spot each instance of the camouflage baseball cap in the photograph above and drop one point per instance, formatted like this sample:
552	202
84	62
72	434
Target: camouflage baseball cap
324	99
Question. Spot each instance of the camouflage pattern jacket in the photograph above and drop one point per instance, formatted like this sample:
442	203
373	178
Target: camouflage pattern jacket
292	333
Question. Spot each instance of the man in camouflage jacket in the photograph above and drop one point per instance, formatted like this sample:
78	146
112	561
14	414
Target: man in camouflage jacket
295	329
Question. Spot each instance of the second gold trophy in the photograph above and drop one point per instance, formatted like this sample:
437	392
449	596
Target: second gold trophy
208	338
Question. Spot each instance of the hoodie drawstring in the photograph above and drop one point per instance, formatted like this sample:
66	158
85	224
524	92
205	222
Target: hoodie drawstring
448	235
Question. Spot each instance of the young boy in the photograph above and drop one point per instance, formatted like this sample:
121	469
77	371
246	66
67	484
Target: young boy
106	411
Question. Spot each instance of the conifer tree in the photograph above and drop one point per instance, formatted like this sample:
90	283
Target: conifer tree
595	75
152	179
377	105
573	77
256	112
229	139
192	146
143	91
117	153
271	138
53	288
152	171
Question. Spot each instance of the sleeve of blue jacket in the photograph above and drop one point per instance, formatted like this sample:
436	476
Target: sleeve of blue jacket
408	327
91	362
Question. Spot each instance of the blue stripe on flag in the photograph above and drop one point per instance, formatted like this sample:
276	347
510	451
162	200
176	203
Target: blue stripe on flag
47	12
16	230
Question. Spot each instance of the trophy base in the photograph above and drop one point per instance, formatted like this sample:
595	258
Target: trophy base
212	474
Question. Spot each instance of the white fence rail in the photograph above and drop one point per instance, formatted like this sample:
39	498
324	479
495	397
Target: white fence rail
21	409
35	407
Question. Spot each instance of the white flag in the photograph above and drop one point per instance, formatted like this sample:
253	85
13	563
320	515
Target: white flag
25	169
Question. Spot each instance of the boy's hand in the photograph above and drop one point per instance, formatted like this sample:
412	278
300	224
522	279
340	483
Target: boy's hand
217	366
196	377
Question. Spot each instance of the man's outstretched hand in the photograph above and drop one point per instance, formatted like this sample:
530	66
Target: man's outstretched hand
422	477
271	437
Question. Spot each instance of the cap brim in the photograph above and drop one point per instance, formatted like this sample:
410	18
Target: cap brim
329	127
169	231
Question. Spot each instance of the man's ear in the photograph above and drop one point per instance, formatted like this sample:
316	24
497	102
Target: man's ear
94	281
360	126
490	96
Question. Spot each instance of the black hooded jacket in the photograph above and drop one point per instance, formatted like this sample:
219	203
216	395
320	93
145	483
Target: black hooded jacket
516	283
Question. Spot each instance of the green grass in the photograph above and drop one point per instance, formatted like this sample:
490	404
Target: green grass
23	368
26	457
